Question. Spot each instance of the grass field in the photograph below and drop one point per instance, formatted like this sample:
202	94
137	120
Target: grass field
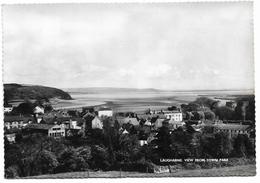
243	170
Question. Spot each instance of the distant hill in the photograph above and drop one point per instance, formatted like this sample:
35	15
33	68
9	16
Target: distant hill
93	90
15	91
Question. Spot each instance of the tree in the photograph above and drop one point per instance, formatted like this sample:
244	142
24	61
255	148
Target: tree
163	142
70	161
172	108
198	115
245	108
204	101
243	147
100	158
224	113
24	108
223	145
209	115
48	108
45	162
181	144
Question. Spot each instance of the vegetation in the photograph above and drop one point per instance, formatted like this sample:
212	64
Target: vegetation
111	150
36	154
18	92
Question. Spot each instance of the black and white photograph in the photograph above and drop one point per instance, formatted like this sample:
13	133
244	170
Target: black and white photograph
116	90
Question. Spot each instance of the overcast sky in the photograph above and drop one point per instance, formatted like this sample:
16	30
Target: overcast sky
178	46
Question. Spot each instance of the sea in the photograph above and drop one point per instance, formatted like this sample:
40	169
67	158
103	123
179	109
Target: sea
134	100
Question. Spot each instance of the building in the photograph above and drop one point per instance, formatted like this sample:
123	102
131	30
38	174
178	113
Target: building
105	112
173	115
130	120
11	137
8	109
96	123
51	130
38	110
158	123
233	129
19	122
142	142
175	124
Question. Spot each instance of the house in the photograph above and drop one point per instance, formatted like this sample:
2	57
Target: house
173	115
125	132
11	137
96	123
105	112
8	109
175	124
51	130
19	122
158	123
38	110
233	129
130	120
142	142
147	123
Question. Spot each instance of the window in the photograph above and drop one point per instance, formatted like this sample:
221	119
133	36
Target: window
55	129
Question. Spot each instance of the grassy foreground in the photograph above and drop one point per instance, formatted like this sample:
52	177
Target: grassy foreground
243	170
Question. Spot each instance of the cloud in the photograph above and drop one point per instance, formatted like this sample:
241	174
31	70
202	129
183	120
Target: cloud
131	45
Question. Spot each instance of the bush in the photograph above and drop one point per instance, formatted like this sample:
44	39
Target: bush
11	172
70	161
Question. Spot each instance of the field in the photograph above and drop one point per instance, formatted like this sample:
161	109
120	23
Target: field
243	170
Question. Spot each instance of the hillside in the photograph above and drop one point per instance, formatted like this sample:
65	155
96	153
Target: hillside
17	91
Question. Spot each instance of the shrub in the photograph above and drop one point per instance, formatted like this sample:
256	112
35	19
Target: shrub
11	172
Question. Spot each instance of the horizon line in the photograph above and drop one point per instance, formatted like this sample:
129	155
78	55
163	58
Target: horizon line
224	89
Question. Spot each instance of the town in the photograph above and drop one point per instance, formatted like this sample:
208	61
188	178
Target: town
185	131
62	123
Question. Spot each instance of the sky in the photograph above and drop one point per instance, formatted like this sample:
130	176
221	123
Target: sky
171	46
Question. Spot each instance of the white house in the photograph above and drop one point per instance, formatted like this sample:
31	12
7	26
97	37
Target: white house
38	110
143	142
8	109
173	115
105	112
11	137
14	122
56	131
73	125
97	123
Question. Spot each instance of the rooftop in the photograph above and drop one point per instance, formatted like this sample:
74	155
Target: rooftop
17	118
232	127
104	109
39	126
